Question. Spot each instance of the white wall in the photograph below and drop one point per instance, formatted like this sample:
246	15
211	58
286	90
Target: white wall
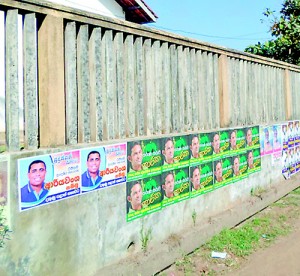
108	8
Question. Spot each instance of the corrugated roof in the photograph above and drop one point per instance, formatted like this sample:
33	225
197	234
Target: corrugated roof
137	11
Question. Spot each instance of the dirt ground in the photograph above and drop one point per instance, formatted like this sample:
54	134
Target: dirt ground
281	257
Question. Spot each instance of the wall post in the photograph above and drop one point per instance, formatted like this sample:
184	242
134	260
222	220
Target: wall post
51	82
224	97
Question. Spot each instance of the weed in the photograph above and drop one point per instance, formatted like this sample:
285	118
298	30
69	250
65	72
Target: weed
258	191
2	148
145	237
194	216
4	230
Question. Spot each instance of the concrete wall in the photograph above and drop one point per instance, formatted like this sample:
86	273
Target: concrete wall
89	81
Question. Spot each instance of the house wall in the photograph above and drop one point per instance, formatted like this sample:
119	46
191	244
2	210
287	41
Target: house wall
91	82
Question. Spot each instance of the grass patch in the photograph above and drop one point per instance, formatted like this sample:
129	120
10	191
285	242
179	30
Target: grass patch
296	192
243	240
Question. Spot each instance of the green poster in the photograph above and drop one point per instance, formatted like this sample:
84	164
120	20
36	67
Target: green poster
194	145
143	158
223	172
201	179
143	197
239	167
237	141
206	150
216	145
175	186
254	160
252	137
175	152
224	142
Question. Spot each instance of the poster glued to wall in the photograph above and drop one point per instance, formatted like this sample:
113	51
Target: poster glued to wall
144	158
143	197
175	186
53	177
201	179
223	172
175	152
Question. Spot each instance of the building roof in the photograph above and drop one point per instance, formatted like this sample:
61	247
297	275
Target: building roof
137	11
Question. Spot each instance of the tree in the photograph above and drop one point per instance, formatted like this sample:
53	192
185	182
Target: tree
286	32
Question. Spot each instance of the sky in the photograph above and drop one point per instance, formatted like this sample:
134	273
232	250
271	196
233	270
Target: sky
234	24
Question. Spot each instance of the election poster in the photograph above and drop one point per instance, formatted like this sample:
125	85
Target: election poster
233	141
216	145
207	177
48	178
144	158
292	161
291	135
285	164
206	150
194	145
175	185
297	158
201	179
223	172
175	152
143	197
254	160
239	167
195	180
252	137
296	133
284	136
103	167
224	142
266	140
277	143
240	140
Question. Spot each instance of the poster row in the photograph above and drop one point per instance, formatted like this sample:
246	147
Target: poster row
57	176
147	195
283	143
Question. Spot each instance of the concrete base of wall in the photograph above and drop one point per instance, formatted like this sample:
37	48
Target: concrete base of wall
159	257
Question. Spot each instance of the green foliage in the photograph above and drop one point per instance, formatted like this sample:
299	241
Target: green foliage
4	230
258	191
286	32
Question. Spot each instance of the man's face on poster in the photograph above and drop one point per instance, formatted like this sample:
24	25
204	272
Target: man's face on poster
219	171
37	174
195	146
196	178
249	136
169	185
267	136
169	150
236	165
233	139
250	158
136	157
93	163
136	196
216	143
